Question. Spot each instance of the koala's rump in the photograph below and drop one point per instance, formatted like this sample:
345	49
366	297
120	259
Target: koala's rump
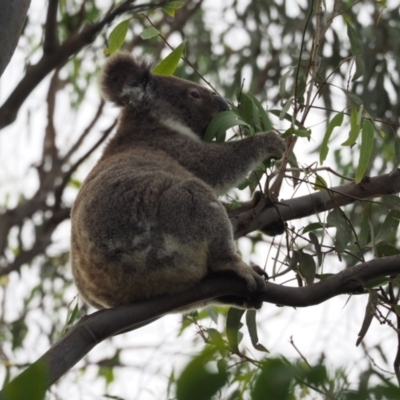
124	247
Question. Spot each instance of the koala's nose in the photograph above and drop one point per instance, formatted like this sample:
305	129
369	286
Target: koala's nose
222	104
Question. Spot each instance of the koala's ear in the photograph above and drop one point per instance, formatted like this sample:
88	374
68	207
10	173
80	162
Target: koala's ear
125	80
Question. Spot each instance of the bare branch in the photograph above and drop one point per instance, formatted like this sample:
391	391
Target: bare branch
86	131
42	241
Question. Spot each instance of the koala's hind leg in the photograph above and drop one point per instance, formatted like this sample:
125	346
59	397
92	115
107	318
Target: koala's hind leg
190	211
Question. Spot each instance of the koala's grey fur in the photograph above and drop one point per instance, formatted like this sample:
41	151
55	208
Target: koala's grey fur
147	220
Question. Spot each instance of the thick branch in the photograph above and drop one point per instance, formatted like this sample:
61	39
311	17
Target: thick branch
50	32
299	207
101	325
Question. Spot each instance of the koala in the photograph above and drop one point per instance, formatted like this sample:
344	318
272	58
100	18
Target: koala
147	221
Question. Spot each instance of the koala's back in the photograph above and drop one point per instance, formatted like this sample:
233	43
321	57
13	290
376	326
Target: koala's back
118	231
147	221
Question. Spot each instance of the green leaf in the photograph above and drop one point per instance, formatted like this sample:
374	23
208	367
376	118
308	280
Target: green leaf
354	128
73	316
296	169
357	51
247	111
217	340
297	132
376	282
282	83
169	64
233	326
107	373
31	384
284	110
172	6
317	246
367	143
302	133
274	381
369	315
211	310
322	277
197	381
266	125
391	201
221	122
360	114
149	33
386	249
343	231
335	122
255	178
389	226
396	151
252	327
366	230
117	37
301	86
320	183
352	97
312	227
307	267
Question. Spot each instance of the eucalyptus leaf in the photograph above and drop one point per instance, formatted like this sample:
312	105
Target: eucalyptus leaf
369	315
233	326
117	37
252	327
169	64
307	267
314	240
355	128
343	231
266	125
172	6
357	51
367	143
335	122
149	33
221	122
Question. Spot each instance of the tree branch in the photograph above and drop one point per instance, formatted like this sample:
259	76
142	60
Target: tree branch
50	32
95	328
299	207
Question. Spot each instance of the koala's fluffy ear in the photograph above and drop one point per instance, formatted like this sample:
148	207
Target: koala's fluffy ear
125	80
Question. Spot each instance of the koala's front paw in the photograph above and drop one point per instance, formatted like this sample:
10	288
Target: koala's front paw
256	284
275	145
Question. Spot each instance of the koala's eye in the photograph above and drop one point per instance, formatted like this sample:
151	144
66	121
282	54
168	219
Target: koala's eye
195	94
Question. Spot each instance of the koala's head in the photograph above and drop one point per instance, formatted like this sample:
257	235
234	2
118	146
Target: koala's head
130	84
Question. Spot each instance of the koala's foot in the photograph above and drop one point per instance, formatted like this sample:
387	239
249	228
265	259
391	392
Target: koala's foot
254	299
254	277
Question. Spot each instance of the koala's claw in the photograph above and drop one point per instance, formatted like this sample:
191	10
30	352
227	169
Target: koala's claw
255	278
259	271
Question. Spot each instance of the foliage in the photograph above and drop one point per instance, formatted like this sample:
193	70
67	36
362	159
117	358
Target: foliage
324	74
